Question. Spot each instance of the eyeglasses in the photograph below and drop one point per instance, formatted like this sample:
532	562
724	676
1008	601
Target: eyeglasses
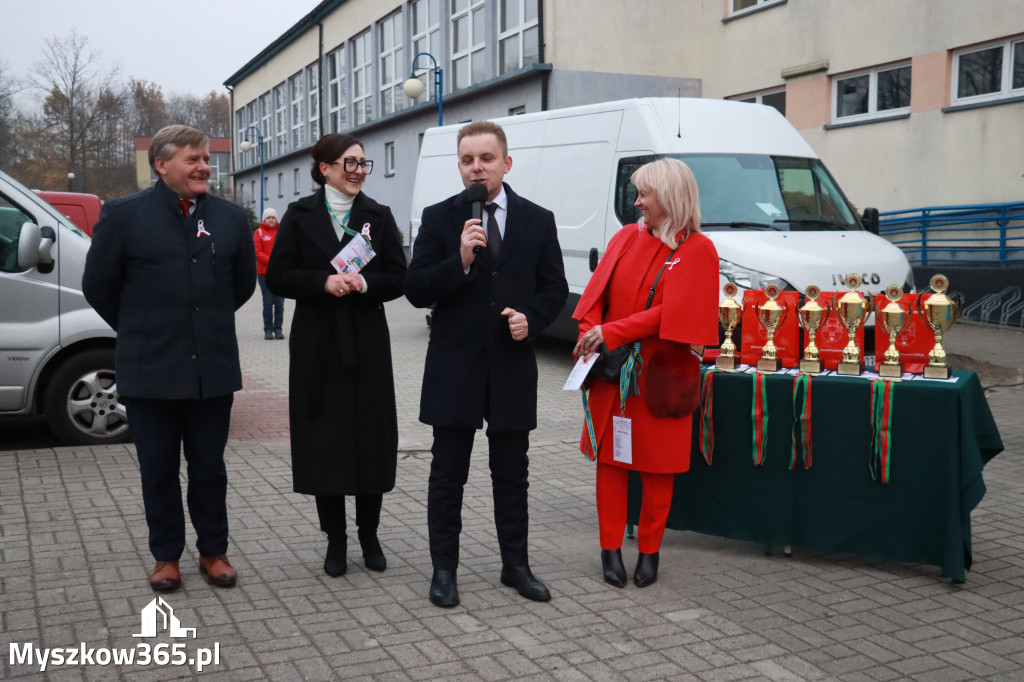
351	163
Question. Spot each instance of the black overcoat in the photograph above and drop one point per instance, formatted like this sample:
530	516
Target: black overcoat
474	369
341	389
171	290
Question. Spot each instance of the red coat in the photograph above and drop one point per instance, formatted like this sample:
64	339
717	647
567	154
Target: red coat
684	311
263	240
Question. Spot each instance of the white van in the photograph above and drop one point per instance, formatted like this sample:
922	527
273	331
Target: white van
56	353
774	212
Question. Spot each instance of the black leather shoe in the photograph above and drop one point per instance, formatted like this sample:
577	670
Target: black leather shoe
443	590
522	579
614	571
646	572
373	555
335	564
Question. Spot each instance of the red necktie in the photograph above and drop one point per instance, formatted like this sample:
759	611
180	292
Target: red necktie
186	206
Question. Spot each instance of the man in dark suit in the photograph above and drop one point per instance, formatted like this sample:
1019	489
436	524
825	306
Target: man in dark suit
495	287
167	269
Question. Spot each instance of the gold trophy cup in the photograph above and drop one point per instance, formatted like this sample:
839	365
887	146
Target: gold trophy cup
851	310
812	315
939	312
729	316
894	317
770	316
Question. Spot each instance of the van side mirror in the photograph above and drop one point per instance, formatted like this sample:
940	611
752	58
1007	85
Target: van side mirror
34	247
870	220
593	259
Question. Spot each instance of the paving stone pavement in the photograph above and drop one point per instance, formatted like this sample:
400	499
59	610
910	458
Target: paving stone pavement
74	561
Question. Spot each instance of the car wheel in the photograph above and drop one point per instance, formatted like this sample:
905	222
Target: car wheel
82	403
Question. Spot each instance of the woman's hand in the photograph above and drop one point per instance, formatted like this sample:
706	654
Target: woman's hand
589	342
338	285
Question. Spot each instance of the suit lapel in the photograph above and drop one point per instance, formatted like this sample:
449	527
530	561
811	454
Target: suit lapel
320	226
515	225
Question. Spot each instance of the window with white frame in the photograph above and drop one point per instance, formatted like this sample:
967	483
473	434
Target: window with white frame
336	92
264	187
517	111
743	6
280	184
295	179
468	27
879	93
389	158
391	64
297	98
244	158
991	72
518	34
252	190
773	98
425	16
362	78
281	119
313	104
266	115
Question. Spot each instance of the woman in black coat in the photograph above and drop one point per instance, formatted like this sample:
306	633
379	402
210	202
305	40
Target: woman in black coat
341	390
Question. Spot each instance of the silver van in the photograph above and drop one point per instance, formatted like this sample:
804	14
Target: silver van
56	353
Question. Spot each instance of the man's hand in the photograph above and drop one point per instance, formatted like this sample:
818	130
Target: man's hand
517	324
473	235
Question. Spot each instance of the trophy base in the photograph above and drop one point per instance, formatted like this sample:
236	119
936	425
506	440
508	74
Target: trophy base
851	368
810	366
725	362
769	364
936	372
890	371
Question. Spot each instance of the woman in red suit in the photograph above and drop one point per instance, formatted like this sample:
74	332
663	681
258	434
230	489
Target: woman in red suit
681	319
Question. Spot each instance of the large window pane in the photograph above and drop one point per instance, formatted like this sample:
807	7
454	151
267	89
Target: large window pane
479	26
531	45
775	99
508	54
531	11
461	68
852	96
479	67
894	88
980	72
509	15
460	34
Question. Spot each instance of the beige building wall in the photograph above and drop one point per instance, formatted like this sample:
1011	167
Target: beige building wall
653	37
930	158
296	56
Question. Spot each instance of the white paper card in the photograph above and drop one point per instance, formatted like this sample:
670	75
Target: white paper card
354	256
769	209
622	443
579	372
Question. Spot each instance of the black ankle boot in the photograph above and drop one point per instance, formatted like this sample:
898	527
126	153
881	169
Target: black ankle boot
373	555
335	563
614	571
646	572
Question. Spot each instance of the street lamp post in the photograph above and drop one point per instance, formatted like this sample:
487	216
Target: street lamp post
71	180
414	86
247	146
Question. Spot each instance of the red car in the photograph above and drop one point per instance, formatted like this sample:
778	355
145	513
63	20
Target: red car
82	209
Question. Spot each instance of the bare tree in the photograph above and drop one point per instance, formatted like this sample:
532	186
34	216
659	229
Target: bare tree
210	114
82	108
148	108
9	87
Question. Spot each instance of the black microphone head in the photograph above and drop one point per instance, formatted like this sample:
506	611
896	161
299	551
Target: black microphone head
477	193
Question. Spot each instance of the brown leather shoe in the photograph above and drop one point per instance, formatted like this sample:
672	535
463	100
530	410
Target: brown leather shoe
165	576
217	570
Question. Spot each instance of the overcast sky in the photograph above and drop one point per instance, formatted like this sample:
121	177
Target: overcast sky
184	46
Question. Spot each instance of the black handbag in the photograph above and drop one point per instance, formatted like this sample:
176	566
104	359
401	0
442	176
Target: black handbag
612	362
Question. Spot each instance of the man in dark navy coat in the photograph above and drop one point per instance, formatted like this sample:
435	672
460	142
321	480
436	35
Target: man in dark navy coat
167	269
496	284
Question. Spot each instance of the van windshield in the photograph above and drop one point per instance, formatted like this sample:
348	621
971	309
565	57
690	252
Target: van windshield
752	192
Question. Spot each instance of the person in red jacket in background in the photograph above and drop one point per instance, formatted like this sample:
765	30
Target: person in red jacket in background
273	306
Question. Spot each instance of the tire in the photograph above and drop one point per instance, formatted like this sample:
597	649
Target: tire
82	404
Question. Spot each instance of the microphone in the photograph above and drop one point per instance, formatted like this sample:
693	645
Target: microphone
477	195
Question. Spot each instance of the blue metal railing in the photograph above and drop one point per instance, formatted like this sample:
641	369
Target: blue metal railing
981	233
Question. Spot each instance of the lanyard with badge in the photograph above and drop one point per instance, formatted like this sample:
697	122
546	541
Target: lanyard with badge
354	256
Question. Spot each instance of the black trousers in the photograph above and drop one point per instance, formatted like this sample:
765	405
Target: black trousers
331	510
160	429
449	471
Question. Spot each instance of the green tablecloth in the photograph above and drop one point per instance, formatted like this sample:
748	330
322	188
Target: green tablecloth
942	436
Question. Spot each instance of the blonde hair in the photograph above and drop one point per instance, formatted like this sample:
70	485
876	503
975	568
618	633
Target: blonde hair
672	183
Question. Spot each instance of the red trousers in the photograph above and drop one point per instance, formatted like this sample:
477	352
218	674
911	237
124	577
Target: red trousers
612	490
